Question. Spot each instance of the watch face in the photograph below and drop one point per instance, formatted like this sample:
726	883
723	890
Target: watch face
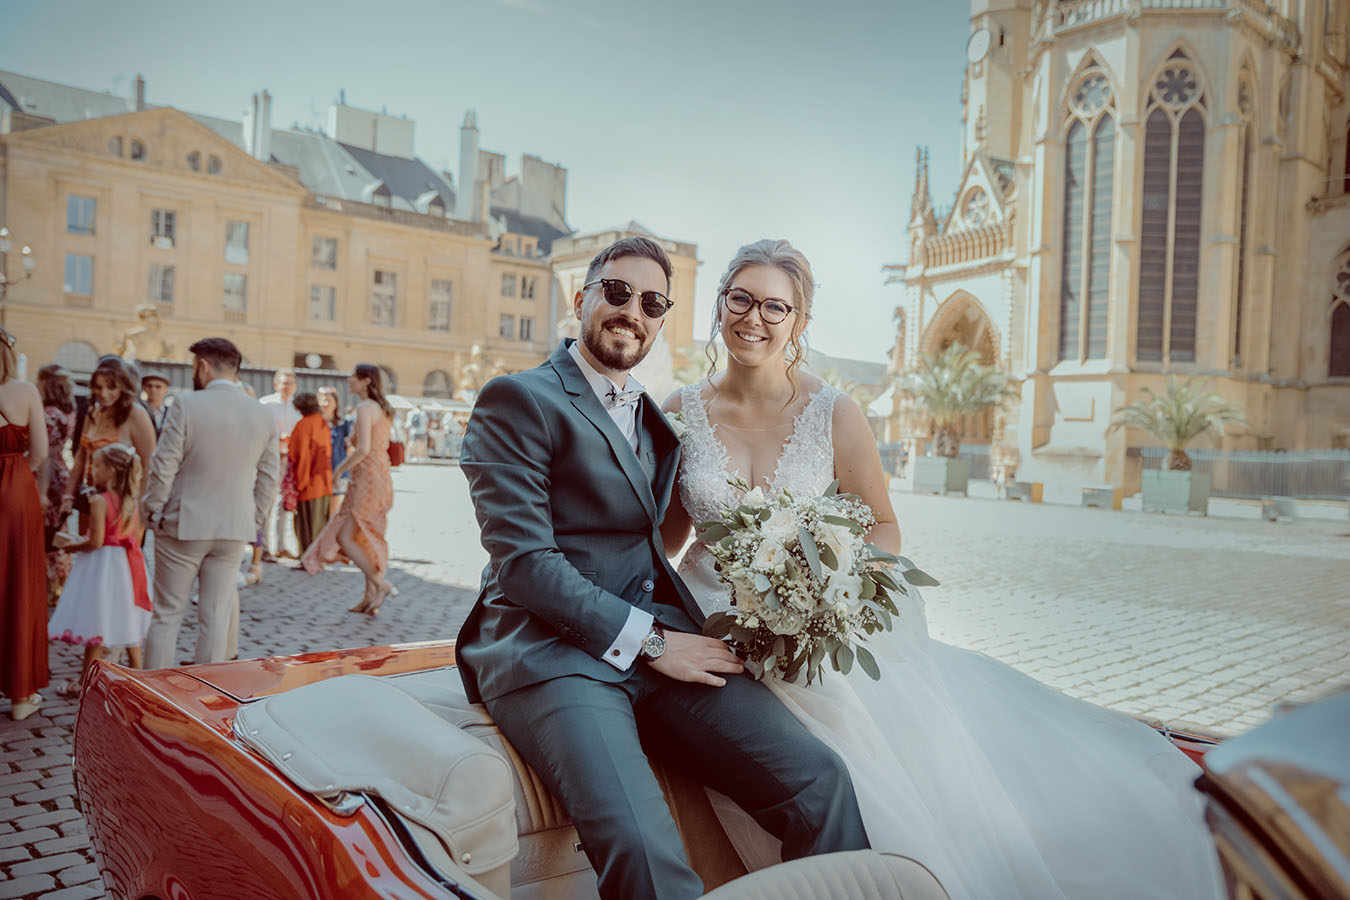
654	646
978	46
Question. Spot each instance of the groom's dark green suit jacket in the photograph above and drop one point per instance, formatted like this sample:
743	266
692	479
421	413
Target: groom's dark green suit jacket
570	517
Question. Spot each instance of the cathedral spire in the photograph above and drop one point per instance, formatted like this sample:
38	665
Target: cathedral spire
921	206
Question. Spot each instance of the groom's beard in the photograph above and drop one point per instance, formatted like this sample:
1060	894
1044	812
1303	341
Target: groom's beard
593	336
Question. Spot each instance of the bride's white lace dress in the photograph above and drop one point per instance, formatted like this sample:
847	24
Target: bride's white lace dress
1004	787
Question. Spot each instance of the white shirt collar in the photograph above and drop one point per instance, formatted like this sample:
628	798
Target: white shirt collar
599	383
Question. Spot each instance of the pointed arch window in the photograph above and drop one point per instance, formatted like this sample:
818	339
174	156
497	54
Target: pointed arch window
1169	233
1338	362
1089	166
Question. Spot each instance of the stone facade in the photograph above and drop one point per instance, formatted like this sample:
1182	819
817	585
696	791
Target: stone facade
1150	187
154	227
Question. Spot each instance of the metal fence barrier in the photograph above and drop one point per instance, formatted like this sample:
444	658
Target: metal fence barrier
893	459
1305	474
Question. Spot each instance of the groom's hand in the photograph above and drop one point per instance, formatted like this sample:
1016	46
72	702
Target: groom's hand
693	657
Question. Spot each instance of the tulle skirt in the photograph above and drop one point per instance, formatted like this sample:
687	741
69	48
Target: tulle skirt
1002	786
98	605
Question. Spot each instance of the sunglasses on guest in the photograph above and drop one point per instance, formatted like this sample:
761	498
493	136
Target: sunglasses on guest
771	310
618	293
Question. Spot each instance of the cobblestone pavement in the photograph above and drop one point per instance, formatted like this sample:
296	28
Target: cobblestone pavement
1201	623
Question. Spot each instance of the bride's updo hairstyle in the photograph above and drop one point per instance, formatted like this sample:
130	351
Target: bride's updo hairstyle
788	260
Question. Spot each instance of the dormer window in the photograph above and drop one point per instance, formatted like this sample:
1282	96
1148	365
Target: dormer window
436	208
137	150
213	165
380	196
194	161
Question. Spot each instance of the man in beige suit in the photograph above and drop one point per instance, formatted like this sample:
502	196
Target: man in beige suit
214	472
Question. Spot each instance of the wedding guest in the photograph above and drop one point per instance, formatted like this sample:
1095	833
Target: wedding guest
116	417
279	520
311	455
156	389
358	529
210	484
106	601
340	432
58	408
417	434
23	589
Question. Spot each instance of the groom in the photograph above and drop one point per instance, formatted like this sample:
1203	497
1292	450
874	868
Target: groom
583	638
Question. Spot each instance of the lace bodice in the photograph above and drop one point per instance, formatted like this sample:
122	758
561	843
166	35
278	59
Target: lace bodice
805	464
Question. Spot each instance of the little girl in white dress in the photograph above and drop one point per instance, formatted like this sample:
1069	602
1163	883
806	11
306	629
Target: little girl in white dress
106	600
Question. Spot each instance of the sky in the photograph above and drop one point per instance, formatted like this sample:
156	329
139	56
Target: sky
716	122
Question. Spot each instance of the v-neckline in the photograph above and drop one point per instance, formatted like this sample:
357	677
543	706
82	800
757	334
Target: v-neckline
788	444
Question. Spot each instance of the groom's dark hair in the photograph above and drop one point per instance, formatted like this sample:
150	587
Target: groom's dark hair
631	246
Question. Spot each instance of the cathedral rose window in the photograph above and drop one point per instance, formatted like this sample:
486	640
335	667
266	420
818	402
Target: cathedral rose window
975	209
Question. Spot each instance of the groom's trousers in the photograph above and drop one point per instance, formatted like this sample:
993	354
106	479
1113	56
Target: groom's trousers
581	736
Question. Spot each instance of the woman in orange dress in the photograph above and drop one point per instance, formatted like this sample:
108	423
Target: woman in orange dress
357	530
23	572
116	418
311	457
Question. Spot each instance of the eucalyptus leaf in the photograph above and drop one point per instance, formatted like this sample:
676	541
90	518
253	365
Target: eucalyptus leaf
762	582
843	659
810	550
920	578
846	523
884	579
712	532
771	600
879	555
755	668
742	635
869	588
828	558
769	663
718	625
906	562
869	664
832	490
886	621
791	568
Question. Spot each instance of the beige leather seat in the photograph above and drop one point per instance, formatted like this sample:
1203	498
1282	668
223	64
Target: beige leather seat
856	875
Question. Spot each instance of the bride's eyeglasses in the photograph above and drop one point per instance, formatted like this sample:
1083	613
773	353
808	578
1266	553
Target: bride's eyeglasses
618	293
771	310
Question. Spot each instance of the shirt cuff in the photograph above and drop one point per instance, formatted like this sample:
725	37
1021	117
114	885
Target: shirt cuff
624	650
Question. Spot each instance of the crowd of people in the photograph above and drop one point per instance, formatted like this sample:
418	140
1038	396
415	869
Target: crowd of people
125	504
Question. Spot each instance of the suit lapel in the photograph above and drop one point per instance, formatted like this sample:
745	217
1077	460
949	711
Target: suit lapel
590	407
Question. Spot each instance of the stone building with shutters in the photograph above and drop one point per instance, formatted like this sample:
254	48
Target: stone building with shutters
314	249
1150	187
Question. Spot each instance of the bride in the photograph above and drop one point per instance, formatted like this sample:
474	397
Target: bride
1004	787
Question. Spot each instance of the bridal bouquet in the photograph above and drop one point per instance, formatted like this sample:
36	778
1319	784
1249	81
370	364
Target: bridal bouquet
805	585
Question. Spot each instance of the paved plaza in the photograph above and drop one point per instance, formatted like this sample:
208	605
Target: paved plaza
1202	623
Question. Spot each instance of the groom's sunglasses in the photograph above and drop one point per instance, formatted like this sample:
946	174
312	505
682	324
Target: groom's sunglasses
618	293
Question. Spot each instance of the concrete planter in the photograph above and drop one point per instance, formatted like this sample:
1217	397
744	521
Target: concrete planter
1168	491
940	475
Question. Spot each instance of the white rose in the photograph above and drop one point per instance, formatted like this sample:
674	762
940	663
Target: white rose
747	598
781	526
844	590
770	556
840	541
754	498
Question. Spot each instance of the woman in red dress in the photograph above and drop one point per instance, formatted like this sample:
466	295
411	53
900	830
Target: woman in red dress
23	570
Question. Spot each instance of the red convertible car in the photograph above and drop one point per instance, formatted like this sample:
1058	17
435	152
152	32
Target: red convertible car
366	774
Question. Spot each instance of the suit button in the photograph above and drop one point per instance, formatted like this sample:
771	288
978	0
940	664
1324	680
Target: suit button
648	586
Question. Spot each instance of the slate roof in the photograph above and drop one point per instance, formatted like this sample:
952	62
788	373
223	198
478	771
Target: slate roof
58	102
518	223
327	167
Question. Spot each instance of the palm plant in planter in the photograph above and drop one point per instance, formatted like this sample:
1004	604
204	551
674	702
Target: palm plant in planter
1186	411
949	386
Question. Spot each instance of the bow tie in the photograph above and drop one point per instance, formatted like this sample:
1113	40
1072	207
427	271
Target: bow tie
618	398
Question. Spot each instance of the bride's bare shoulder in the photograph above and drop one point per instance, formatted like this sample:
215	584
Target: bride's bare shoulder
675	402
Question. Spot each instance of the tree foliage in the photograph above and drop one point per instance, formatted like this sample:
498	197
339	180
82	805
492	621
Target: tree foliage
951	385
1186	411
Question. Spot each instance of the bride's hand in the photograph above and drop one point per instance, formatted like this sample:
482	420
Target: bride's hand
695	658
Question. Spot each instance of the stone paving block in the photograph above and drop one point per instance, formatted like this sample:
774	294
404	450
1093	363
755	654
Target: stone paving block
83	873
89	890
47	864
41	796
22	887
26	836
45	819
15	854
64	844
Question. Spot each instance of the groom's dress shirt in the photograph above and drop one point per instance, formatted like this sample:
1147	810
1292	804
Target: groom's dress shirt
624	650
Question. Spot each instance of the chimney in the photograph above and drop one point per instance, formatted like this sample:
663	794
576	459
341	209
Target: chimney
140	93
466	209
258	127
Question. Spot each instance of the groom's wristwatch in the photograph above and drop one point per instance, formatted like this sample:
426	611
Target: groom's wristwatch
654	644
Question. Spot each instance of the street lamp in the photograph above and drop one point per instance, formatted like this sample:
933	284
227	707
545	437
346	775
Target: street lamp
27	261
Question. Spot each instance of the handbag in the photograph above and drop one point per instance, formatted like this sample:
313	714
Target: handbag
395	453
290	488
